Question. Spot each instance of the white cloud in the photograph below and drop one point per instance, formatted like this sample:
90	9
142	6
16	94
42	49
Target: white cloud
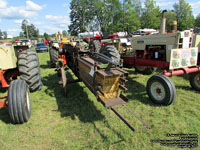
57	19
18	21
37	23
164	3
3	4
20	12
32	6
195	5
13	32
65	5
50	29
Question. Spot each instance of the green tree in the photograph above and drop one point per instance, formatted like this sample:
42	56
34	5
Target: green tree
29	30
151	15
5	35
170	16
46	35
131	17
197	21
80	16
64	33
184	15
1	35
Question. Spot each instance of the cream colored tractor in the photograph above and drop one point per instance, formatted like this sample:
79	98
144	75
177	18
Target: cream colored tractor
17	60
176	53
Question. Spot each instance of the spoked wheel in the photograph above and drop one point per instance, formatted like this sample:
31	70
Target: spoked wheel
19	104
64	81
145	69
161	90
195	80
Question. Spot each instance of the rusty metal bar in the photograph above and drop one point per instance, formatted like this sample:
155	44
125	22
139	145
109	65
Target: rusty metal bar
123	87
136	116
123	119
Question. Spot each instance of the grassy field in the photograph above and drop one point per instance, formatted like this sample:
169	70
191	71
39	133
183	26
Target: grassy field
80	122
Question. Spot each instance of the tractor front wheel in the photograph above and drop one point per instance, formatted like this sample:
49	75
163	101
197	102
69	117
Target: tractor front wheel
161	90
19	104
195	80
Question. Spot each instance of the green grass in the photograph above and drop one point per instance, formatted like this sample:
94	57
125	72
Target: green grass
80	122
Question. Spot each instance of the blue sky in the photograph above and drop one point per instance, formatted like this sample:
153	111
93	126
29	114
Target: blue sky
50	15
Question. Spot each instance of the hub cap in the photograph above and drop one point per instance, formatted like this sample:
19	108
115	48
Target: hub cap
158	91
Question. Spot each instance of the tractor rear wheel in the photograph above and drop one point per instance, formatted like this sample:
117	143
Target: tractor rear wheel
19	104
145	70
111	51
94	46
161	90
29	69
195	80
53	57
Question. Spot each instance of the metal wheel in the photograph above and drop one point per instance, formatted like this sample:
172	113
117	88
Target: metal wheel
195	81
64	80
161	90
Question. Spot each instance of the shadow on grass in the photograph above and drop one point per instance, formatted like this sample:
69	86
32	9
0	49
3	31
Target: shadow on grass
137	91
47	65
76	103
4	116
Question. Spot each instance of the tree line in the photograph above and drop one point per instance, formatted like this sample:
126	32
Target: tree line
116	15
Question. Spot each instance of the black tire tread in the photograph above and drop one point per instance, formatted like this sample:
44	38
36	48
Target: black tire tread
17	106
29	69
167	83
53	57
111	51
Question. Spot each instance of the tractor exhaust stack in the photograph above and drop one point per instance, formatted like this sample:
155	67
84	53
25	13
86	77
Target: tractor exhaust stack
163	22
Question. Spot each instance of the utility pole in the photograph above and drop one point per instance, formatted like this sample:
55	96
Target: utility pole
26	22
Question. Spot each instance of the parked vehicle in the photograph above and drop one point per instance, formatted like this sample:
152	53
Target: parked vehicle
41	47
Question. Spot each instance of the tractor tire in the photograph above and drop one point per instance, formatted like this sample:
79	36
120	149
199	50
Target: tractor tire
19	104
29	69
161	90
111	51
53	57
145	70
195	80
94	46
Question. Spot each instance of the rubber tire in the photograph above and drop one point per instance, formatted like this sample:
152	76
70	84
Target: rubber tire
147	71
29	69
53	57
95	46
111	51
18	107
192	81
168	86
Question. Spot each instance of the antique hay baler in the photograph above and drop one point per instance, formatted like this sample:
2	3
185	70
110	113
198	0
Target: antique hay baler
17	60
104	77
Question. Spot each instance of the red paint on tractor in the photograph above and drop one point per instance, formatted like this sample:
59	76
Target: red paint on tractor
132	61
181	71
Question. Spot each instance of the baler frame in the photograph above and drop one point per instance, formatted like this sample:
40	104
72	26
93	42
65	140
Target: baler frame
85	57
